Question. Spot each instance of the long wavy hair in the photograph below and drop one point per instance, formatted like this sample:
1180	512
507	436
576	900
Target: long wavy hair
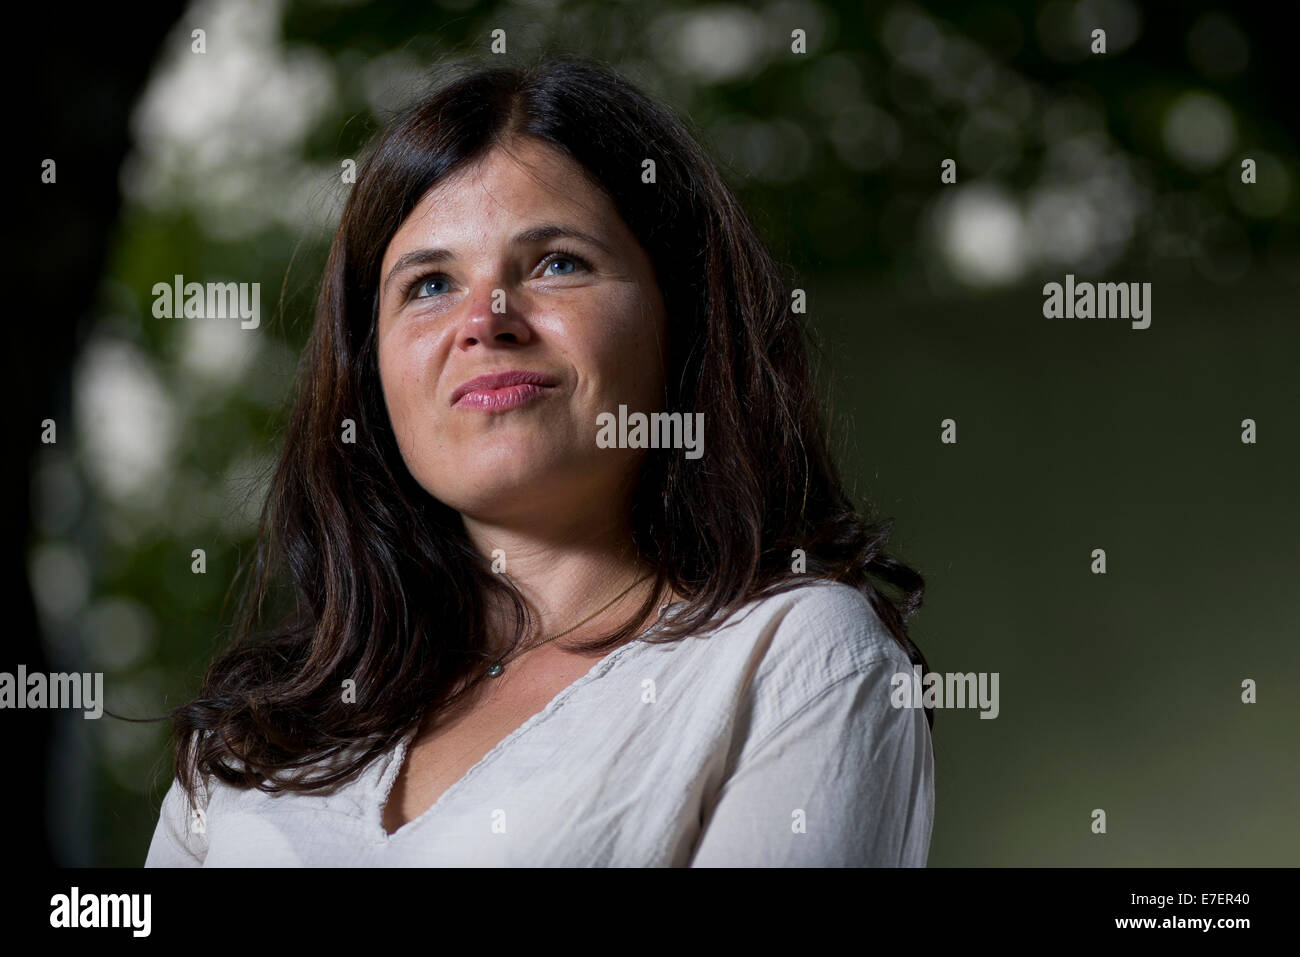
372	580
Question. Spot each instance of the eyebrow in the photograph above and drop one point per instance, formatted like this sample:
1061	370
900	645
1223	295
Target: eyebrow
531	236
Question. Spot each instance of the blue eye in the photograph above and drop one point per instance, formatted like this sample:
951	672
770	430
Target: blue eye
560	256
574	262
419	286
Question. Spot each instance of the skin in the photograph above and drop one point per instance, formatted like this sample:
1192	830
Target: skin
530	480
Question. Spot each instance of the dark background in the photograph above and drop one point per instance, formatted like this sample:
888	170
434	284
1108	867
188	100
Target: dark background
1118	691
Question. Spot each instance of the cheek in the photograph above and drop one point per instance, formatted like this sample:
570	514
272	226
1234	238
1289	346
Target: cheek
391	377
402	377
625	356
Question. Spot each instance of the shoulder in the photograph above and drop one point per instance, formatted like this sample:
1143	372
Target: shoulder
803	642
180	837
827	625
818	659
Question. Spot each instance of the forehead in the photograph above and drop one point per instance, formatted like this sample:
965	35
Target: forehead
520	184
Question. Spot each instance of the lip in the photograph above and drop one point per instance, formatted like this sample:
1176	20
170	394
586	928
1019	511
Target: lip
502	390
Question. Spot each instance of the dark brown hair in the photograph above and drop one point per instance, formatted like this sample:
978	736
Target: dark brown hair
376	579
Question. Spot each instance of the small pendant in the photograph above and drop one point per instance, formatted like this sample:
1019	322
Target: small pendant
495	670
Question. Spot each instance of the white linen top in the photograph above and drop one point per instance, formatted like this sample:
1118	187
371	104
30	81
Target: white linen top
770	741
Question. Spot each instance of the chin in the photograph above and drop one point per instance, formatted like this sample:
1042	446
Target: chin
522	488
486	490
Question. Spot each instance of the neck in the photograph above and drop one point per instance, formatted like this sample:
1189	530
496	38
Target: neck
565	575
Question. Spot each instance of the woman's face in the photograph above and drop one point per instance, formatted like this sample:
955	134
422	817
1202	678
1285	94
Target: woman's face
518	265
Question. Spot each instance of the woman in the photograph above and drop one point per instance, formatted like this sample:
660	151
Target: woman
571	577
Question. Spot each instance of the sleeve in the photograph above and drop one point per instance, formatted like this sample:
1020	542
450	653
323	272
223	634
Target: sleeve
180	839
847	780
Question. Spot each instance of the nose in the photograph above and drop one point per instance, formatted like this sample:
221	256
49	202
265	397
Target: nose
491	319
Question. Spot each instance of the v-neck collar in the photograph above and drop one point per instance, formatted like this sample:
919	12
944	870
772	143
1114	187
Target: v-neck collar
387	773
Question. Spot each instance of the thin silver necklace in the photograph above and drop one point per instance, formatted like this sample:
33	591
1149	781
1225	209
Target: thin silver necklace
497	667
